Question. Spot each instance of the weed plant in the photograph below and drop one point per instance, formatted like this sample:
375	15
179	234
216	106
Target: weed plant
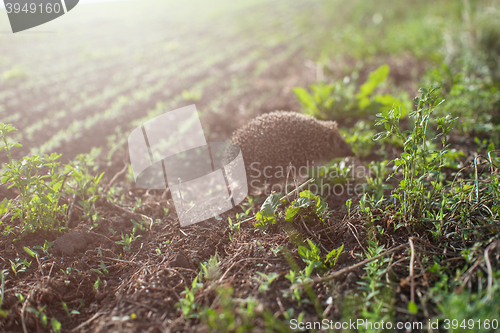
340	101
420	165
45	188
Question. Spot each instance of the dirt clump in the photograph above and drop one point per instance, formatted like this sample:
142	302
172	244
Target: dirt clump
77	241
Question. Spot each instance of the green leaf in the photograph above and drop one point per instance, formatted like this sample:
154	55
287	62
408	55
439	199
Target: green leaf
308	194
271	204
4	206
266	214
96	283
32	310
290	213
304	252
43	318
57	186
374	79
412	307
263	221
380	136
103	267
30	252
56	325
65	307
334	253
304	97
314	247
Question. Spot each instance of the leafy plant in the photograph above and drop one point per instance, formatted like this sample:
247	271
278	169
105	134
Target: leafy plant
83	184
339	100
45	248
377	301
39	314
3	274
418	163
266	280
233	226
19	265
210	269
96	284
43	195
307	205
69	313
313	259
266	215
187	304
192	95
127	240
56	325
14	73
375	182
335	172
232	314
359	138
39	193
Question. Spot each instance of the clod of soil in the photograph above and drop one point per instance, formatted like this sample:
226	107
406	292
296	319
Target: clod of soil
76	241
181	261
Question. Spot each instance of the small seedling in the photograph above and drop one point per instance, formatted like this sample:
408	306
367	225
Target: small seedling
69	313
187	304
19	265
210	269
45	248
127	240
96	284
56	325
266	281
39	314
3	274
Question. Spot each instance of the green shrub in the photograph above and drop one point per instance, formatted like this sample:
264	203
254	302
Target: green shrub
340	101
44	190
419	164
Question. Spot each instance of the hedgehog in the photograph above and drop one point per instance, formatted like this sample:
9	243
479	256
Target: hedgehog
273	142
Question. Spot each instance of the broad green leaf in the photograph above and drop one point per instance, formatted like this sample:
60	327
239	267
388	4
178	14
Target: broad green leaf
270	205
412	307
304	252
43	318
304	97
290	213
30	252
374	79
313	246
57	186
4	206
302	202
308	194
56	325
